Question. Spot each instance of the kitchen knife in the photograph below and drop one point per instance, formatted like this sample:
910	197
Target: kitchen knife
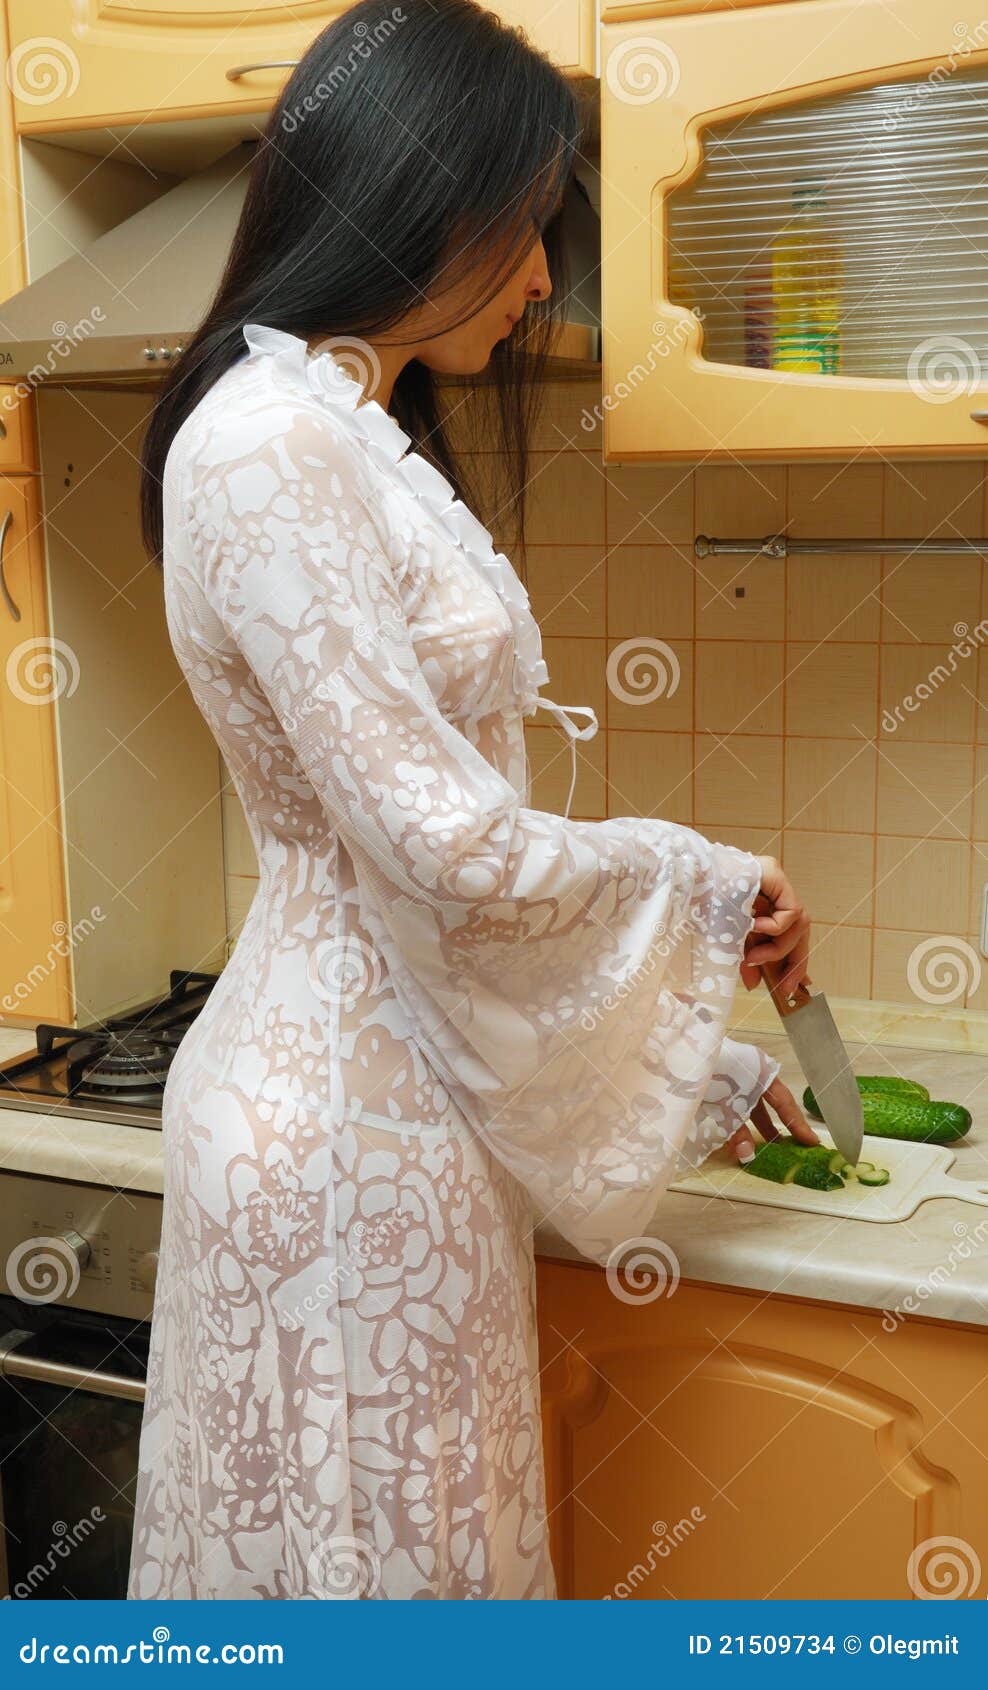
819	1049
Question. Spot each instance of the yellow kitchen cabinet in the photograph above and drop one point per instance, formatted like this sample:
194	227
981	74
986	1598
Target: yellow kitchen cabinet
35	978
85	63
725	1444
794	236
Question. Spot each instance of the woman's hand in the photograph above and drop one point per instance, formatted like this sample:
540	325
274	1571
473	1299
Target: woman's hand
780	1098
780	931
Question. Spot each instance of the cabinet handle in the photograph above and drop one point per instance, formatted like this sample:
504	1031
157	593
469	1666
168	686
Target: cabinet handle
238	71
8	517
979	416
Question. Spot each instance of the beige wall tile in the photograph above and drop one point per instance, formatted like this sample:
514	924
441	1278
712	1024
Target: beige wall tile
979	703
972	967
980	818
835	501
565	499
577	673
650	775
567	589
650	504
833	687
830	785
738	780
833	873
890	979
834	598
740	598
737	500
552	767
922	885
933	498
840	960
649	687
738	687
757	841
929	598
570	416
907	971
925	789
921	699
650	591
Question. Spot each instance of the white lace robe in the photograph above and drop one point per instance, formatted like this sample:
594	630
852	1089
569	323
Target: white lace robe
447	1011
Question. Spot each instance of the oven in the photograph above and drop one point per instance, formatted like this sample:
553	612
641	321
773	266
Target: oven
77	1271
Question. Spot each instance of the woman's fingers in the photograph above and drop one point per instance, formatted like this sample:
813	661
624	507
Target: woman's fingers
764	1122
742	1144
788	1111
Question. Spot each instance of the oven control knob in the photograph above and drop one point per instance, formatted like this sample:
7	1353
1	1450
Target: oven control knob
146	1269
80	1247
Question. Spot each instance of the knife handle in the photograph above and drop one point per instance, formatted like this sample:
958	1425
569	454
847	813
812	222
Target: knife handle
785	1002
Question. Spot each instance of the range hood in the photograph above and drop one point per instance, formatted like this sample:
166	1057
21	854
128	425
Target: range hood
120	311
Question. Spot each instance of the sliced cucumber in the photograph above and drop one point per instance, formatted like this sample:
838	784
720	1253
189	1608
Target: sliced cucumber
868	1173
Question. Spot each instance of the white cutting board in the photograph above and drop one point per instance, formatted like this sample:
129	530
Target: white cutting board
917	1171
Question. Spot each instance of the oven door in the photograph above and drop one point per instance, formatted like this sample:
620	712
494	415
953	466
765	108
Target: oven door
71	1398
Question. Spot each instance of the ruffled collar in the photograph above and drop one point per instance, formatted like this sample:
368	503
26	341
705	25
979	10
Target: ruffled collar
388	446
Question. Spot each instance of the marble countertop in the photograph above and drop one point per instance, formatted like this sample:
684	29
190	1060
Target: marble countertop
934	1264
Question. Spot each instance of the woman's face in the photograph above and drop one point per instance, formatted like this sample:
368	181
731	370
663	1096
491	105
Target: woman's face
466	349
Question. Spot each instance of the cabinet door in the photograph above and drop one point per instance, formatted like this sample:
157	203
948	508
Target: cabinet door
77	63
34	943
795	231
718	1444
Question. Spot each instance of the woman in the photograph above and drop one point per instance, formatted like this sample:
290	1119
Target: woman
447	1011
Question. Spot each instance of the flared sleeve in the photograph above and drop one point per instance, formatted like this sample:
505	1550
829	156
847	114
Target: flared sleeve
570	982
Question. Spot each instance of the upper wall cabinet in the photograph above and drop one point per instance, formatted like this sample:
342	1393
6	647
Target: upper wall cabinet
795	229
77	63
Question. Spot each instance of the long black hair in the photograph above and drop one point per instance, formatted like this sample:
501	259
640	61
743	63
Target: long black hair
415	147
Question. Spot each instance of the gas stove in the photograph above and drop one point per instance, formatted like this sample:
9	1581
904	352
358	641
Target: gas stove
115	1071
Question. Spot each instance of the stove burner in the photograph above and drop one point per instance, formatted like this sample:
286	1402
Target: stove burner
126	1063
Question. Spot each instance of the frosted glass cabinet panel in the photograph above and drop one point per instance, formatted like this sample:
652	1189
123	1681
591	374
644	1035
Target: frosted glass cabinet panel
837	236
795	228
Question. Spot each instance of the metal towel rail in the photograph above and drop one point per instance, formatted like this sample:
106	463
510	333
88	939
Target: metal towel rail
781	546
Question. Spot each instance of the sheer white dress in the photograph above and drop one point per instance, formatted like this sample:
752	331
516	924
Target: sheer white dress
447	1013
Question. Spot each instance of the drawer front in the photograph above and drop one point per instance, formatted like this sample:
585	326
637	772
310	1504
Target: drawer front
81	63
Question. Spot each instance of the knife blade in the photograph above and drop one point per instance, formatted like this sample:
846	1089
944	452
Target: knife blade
819	1050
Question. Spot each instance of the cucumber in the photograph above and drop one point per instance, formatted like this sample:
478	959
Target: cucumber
778	1162
905	1115
875	1085
868	1173
813	1166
